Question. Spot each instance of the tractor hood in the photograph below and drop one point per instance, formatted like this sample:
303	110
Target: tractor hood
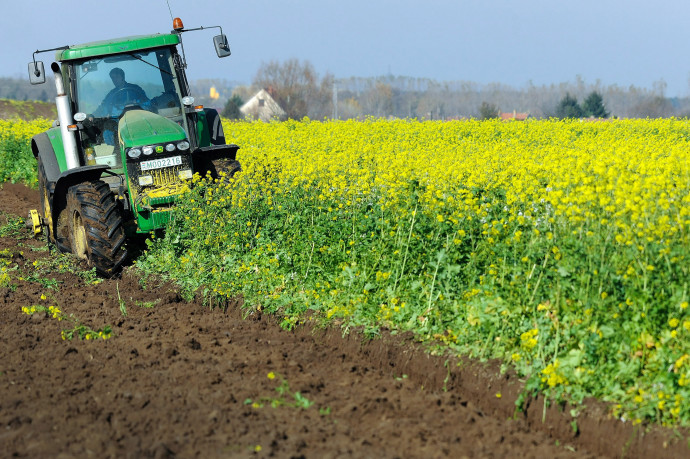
139	127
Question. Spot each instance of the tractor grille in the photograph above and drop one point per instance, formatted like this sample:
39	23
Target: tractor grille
165	176
166	185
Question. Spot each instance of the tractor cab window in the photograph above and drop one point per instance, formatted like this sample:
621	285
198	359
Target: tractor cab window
107	87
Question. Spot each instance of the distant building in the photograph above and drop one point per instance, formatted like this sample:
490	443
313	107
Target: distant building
514	116
262	107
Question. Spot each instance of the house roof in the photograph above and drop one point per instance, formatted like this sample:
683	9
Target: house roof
262	106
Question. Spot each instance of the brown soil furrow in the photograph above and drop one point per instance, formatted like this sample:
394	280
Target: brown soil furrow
174	380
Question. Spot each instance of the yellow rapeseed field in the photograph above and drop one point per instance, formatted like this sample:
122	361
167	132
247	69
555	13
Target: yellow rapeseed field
16	161
560	247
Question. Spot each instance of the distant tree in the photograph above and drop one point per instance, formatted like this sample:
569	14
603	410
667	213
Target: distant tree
653	107
293	85
487	111
321	102
231	110
378	100
568	108
594	106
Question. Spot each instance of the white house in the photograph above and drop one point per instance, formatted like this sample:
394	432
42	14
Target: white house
262	107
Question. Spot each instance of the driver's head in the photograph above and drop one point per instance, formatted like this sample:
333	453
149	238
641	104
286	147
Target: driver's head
118	76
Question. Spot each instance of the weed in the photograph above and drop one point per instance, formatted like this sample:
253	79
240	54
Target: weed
147	304
13	228
90	277
120	301
7	267
78	329
285	397
45	282
446	364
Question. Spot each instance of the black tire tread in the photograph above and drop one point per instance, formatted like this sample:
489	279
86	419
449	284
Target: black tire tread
104	225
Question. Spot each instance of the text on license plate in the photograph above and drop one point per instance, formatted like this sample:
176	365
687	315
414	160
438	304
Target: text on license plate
160	163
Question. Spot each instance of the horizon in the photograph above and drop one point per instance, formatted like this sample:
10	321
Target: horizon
611	43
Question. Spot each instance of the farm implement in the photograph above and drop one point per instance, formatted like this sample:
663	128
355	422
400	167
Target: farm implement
127	142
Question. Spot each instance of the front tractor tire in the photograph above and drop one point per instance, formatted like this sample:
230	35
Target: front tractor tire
95	226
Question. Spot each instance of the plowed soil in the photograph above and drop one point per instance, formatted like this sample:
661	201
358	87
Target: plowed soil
179	379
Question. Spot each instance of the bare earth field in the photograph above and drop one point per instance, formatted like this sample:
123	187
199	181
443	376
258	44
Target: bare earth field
26	110
181	380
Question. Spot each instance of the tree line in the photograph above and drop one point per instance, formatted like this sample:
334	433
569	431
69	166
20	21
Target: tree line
301	91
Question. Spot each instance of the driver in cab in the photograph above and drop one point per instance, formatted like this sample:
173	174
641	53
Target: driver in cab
122	94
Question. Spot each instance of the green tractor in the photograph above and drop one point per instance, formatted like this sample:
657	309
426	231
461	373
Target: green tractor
126	144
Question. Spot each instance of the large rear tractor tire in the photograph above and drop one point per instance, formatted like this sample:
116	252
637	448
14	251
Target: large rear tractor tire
96	230
45	188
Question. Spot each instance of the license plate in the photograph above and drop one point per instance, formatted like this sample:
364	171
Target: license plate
161	163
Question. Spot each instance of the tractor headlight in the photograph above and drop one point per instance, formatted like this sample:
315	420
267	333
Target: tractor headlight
147	150
170	147
185	174
134	153
182	146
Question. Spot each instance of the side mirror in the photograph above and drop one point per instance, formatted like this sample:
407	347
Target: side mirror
37	74
222	46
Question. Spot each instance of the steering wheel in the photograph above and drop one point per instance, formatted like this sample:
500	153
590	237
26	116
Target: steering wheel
123	100
124	96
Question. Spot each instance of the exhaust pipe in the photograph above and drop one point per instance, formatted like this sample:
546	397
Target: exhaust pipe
64	112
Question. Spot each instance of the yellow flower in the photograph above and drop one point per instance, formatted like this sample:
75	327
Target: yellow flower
529	339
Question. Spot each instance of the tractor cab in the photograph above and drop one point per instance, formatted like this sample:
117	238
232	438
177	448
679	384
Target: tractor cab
145	83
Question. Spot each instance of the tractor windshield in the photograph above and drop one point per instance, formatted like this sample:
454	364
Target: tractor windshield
106	87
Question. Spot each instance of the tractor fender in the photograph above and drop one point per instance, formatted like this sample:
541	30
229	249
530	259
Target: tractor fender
70	178
43	147
215	127
209	128
217	152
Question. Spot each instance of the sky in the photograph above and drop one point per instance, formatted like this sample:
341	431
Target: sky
516	43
